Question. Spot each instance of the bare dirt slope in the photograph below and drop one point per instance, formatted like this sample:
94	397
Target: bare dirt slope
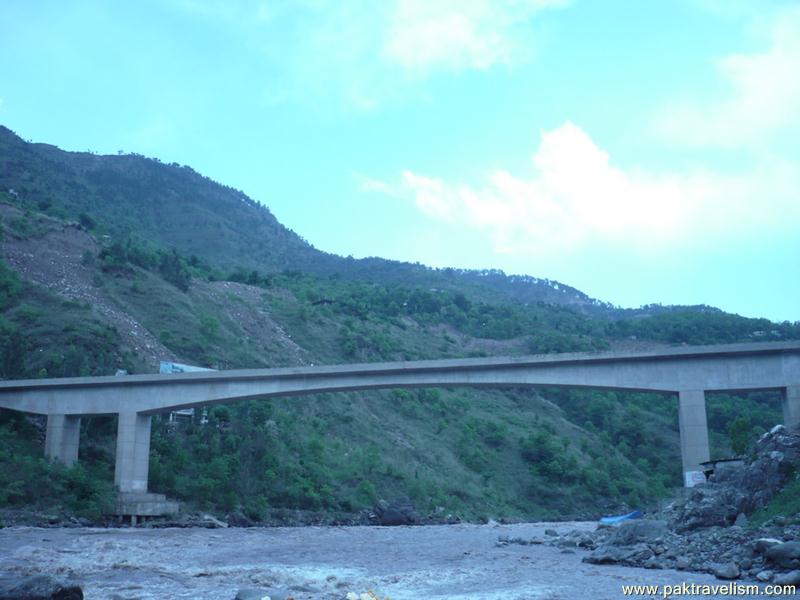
51	253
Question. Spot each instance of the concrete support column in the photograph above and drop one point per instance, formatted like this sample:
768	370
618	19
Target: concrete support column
133	452
791	406
694	435
62	438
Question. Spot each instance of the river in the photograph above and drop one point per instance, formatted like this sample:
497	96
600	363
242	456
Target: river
453	562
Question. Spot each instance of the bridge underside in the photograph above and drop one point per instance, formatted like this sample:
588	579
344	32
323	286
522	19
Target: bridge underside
133	438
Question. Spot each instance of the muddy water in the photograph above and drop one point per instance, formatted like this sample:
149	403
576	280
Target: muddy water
403	563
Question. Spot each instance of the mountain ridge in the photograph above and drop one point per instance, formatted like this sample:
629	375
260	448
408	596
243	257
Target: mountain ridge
268	246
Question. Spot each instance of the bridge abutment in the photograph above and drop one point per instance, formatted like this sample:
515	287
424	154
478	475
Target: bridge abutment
62	438
133	452
694	435
791	406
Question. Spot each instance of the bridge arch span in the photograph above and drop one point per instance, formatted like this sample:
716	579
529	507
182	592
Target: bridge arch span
685	372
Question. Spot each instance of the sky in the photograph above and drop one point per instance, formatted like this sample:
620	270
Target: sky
642	152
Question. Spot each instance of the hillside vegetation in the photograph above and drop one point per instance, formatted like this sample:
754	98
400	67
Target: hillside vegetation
117	262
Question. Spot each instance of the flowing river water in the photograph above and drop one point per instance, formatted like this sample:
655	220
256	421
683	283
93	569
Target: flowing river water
402	563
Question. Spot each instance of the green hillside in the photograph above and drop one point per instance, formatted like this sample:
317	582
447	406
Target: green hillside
114	262
172	206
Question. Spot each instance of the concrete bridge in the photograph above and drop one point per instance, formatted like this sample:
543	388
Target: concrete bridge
685	373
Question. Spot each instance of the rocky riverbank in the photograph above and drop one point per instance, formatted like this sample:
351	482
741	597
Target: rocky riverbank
400	511
708	531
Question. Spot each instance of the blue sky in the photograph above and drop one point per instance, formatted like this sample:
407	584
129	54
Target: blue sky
639	151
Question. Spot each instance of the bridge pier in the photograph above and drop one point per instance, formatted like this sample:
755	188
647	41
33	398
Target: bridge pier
791	406
694	434
133	452
62	438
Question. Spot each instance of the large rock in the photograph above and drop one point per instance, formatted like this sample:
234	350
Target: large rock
399	512
634	555
211	522
727	571
785	555
790	578
38	587
238	519
710	506
637	531
606	555
635	543
761	545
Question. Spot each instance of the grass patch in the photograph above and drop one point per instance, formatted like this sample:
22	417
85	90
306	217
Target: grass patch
785	504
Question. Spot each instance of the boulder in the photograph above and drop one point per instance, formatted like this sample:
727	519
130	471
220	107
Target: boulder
764	576
709	506
628	555
399	512
38	587
636	531
606	555
654	562
761	545
727	571
786	555
211	522
790	578
239	519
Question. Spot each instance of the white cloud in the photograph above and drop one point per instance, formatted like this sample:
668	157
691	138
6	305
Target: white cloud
369	53
576	197
457	34
370	184
763	97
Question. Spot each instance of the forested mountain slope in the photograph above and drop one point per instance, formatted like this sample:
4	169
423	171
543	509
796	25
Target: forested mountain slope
172	206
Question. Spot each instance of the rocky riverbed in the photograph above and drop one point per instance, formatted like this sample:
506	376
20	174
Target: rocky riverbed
402	563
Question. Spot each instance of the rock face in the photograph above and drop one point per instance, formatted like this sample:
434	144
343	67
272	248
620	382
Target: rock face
399	512
740	491
38	587
708	531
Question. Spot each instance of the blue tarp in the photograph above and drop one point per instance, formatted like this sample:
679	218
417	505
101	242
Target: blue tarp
619	518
